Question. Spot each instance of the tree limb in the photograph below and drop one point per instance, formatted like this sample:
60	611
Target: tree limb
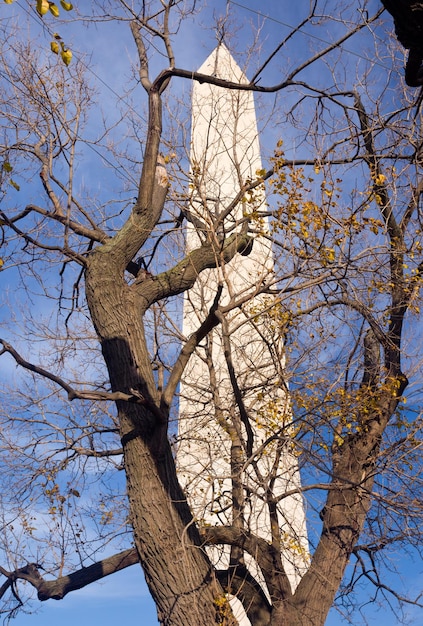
73	394
276	579
59	588
209	323
227	84
237	581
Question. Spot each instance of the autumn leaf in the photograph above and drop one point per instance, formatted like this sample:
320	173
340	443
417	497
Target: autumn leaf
379	180
42	7
54	9
66	55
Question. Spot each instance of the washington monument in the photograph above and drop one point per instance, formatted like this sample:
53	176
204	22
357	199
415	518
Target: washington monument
233	397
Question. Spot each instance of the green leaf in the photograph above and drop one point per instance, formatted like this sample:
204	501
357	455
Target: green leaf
7	167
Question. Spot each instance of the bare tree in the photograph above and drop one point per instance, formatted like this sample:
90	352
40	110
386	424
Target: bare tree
340	308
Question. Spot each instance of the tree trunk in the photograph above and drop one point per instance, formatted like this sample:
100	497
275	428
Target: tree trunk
343	518
177	570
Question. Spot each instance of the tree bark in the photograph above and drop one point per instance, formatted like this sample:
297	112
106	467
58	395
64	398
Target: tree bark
177	570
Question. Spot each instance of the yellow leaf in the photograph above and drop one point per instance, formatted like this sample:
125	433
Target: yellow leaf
7	167
14	185
42	7
317	169
54	47
67	6
8	2
66	56
1	260
330	254
54	9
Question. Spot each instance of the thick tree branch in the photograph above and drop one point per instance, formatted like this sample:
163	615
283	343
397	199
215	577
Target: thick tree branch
59	588
237	581
276	579
183	276
408	20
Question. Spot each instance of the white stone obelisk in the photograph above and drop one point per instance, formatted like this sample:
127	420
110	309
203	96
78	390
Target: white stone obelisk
233	386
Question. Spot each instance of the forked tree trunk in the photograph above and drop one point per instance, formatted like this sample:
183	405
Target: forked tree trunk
177	570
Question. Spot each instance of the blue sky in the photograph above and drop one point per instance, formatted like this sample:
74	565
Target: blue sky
124	597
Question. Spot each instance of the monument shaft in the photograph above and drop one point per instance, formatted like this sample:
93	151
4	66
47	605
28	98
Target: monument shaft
236	458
